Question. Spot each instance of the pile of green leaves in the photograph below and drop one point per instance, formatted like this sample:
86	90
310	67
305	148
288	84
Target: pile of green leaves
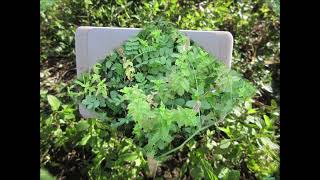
254	24
245	144
165	84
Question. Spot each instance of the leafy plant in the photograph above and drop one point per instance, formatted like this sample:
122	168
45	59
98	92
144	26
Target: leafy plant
61	133
170	87
255	27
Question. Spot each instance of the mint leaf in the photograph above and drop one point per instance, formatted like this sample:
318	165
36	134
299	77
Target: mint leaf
191	103
267	121
205	104
54	102
225	143
82	125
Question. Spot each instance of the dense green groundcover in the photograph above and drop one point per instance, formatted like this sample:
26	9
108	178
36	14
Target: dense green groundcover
119	144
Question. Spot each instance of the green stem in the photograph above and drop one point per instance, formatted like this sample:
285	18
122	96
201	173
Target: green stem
194	134
197	86
137	56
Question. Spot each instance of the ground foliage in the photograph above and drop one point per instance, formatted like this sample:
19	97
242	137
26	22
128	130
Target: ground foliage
172	85
244	145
